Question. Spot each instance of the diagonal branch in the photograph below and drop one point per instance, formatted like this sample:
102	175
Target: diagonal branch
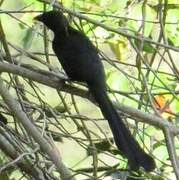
58	83
109	28
22	163
171	151
46	145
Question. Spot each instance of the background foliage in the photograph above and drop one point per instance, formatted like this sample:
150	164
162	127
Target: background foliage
138	42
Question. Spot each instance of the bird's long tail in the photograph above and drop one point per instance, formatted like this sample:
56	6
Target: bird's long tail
122	136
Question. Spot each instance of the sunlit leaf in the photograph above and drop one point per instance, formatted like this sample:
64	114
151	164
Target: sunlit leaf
27	38
136	13
172	29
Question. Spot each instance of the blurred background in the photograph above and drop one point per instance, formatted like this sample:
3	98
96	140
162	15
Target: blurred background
138	44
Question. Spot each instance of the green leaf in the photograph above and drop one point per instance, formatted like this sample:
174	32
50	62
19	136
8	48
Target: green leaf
148	48
28	37
36	4
172	29
115	5
4	176
158	144
136	13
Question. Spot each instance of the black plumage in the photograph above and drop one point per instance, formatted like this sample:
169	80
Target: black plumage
81	62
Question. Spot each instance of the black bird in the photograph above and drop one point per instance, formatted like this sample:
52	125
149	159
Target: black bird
80	60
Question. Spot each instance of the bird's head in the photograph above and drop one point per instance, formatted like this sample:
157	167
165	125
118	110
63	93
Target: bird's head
54	20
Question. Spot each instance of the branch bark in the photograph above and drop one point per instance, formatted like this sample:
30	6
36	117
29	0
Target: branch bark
45	144
58	83
22	163
118	31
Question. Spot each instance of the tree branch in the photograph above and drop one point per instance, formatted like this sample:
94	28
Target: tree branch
109	28
53	81
45	144
22	163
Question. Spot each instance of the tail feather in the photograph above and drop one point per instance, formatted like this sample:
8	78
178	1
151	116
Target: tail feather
122	136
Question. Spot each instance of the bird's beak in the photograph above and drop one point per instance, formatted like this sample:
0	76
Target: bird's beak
38	18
